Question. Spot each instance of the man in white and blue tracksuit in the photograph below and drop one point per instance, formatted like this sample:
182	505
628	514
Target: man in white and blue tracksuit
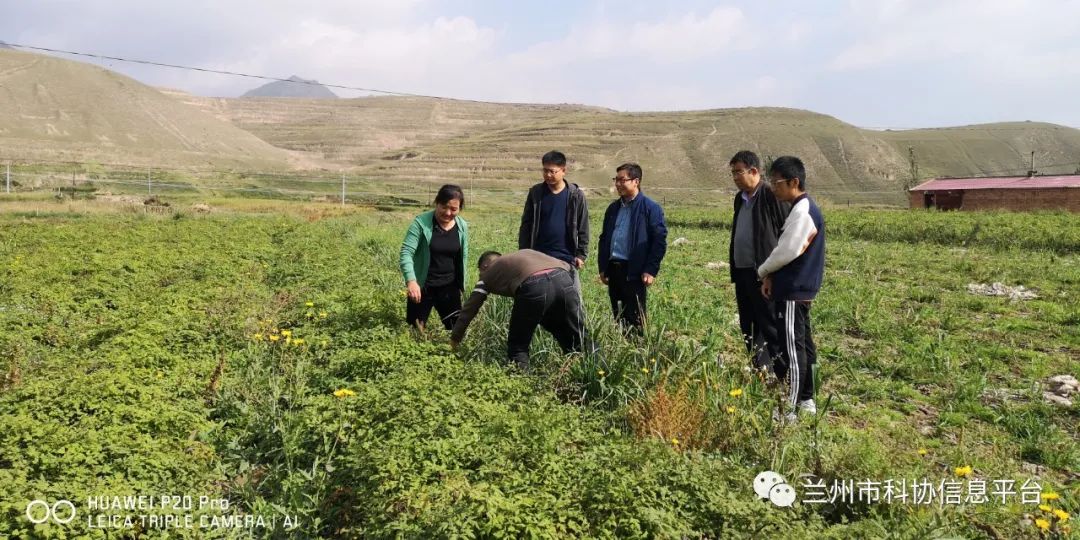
791	277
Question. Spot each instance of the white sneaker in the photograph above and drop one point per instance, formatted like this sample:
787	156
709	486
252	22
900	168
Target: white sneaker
807	406
803	407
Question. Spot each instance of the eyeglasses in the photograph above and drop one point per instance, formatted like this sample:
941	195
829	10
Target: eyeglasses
619	180
739	172
552	172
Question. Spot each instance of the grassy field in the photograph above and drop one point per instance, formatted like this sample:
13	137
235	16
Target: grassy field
257	355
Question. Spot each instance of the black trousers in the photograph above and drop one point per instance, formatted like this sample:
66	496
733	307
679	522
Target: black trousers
446	300
549	300
627	295
757	318
799	352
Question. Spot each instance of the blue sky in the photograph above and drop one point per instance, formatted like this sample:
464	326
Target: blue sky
886	64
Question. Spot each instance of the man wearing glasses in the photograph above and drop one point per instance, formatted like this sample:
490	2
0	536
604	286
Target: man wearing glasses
632	245
759	216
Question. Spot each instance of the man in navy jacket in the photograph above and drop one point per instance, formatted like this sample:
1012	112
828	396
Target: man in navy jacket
632	245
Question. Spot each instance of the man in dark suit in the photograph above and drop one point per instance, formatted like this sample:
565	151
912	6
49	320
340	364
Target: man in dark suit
759	216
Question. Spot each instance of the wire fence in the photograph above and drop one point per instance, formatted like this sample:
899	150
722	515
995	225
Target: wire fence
128	183
96	180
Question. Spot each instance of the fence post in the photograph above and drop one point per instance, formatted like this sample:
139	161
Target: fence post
149	190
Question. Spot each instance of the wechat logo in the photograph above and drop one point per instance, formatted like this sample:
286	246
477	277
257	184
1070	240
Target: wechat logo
772	486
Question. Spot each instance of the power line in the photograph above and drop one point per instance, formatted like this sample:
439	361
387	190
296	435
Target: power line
412	94
1025	169
237	74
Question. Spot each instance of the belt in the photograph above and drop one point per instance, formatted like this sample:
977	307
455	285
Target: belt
547	272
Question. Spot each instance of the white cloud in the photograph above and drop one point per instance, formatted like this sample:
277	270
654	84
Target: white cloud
975	34
1017	56
680	39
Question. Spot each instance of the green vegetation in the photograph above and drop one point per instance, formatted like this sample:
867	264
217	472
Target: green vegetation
261	358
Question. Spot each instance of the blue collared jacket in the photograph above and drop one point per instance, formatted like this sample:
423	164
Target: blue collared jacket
647	241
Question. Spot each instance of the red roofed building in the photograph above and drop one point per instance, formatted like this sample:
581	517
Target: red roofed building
1002	193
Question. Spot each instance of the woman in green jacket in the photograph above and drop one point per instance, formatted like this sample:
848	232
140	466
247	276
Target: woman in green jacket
433	259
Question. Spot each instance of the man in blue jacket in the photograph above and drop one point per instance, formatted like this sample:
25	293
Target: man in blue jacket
632	245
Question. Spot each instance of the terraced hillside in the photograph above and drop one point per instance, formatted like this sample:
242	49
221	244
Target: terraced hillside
992	149
58	109
55	109
685	154
354	131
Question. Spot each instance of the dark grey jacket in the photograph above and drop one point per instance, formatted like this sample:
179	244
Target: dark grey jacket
577	220
769	215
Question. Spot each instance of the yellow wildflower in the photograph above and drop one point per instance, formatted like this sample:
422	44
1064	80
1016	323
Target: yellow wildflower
257	337
1045	508
600	372
288	341
286	333
1042	524
923	451
344	392
310	304
731	410
324	343
298	341
645	370
1049	496
323	315
675	442
274	337
1061	515
966	470
736	392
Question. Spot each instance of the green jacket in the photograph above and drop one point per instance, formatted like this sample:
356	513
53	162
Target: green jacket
416	251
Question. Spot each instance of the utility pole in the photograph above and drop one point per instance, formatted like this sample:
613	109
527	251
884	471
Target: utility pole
342	189
914	166
1031	170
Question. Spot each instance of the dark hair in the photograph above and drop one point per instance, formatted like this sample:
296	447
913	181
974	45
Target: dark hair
554	157
487	256
450	192
789	168
632	169
747	158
